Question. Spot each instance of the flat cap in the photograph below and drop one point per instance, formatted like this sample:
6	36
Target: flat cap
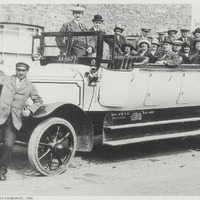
119	27
172	29
184	29
161	32
22	65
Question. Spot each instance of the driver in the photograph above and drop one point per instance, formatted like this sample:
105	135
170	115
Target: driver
81	45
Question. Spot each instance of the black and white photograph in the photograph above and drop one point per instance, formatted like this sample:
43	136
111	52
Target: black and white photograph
99	99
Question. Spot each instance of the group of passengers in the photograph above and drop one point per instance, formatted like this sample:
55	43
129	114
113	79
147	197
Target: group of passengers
165	49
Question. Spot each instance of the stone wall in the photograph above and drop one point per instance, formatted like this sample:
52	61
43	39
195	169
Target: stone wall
131	16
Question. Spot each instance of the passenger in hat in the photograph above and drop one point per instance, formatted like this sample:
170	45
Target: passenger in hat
177	46
120	40
144	46
128	49
169	58
185	35
196	33
16	90
155	51
186	51
144	36
195	57
97	23
161	36
81	46
172	34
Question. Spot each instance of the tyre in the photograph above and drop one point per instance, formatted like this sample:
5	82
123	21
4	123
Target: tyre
52	146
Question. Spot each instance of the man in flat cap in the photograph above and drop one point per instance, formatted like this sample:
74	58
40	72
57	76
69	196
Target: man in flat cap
184	35
171	33
177	46
169	58
161	35
97	22
143	36
15	92
81	45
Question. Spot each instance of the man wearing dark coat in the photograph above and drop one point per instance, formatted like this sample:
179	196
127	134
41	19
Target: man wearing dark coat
184	35
120	40
169	58
195	57
15	92
81	45
97	21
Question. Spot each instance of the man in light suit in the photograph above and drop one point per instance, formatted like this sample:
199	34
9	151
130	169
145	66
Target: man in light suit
81	45
15	92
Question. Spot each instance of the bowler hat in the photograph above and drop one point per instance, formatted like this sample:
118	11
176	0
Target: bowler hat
22	64
197	30
172	30
97	18
144	41
168	40
119	28
178	42
77	8
184	29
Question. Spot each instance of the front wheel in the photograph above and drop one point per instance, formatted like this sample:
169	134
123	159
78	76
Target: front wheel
52	146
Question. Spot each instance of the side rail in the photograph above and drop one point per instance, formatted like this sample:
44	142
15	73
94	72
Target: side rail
128	62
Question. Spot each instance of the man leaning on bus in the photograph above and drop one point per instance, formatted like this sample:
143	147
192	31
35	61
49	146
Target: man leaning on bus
15	92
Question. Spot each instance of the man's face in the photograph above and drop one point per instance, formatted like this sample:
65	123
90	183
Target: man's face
77	15
154	47
176	48
167	47
198	46
97	24
161	36
145	33
21	72
118	32
172	33
197	35
184	34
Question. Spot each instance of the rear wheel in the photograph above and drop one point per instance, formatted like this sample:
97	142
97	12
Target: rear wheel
52	146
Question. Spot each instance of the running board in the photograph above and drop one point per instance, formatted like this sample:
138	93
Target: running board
151	138
153	123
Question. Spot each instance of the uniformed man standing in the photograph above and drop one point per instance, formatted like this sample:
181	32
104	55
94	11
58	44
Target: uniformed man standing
16	90
81	45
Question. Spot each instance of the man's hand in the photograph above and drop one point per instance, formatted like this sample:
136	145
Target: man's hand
26	113
89	50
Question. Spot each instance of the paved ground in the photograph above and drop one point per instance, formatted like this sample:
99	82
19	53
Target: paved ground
162	168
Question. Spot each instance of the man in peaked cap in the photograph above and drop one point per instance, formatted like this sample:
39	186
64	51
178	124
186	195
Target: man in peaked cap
169	58
15	92
184	35
172	33
161	35
81	45
120	40
97	22
143	36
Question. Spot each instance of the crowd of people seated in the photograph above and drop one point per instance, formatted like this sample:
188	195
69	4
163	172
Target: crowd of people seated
165	49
